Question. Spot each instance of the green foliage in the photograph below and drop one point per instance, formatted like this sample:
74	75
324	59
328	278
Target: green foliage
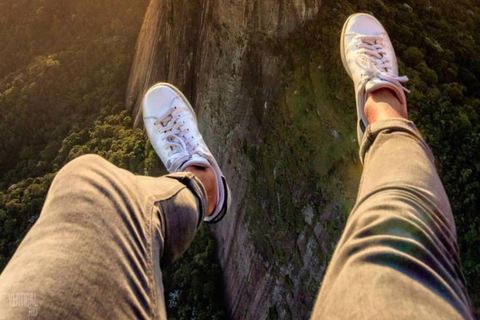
63	65
20	206
413	56
193	285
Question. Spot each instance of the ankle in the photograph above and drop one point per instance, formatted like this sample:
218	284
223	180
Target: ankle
383	104
209	181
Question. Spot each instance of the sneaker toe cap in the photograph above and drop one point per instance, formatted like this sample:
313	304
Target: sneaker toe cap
364	24
156	101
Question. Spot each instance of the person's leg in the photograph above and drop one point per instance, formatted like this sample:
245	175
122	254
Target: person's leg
207	177
98	246
397	257
171	125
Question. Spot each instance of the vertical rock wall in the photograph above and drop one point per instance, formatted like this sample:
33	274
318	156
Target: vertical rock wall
220	54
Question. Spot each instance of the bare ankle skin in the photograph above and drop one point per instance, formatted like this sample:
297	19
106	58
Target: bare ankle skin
207	177
382	104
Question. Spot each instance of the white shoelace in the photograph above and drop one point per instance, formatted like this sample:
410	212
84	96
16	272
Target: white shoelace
180	142
373	60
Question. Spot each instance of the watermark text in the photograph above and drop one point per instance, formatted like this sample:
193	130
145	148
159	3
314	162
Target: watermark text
24	300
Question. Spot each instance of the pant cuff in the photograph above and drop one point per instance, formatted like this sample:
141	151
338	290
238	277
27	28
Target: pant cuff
196	187
388	126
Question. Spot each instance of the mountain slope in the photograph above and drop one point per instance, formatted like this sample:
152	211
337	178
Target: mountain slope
278	109
275	105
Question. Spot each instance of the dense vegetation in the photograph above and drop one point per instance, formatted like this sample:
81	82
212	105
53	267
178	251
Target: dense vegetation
63	71
311	170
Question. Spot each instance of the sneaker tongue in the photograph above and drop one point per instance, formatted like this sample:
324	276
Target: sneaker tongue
376	84
196	160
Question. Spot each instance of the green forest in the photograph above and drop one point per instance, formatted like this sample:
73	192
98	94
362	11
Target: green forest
64	67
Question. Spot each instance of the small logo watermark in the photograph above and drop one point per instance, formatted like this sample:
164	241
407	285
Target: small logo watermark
24	300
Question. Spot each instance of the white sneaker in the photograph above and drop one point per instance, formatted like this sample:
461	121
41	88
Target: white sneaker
171	125
370	60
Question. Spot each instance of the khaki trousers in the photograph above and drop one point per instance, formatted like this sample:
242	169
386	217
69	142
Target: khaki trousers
398	255
97	249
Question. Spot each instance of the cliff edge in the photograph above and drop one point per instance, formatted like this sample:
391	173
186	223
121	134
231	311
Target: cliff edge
254	90
218	53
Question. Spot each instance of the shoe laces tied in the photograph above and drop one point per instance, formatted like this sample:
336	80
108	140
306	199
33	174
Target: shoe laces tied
180	142
372	58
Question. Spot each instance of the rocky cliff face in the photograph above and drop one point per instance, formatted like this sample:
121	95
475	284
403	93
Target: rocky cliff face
222	54
205	45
